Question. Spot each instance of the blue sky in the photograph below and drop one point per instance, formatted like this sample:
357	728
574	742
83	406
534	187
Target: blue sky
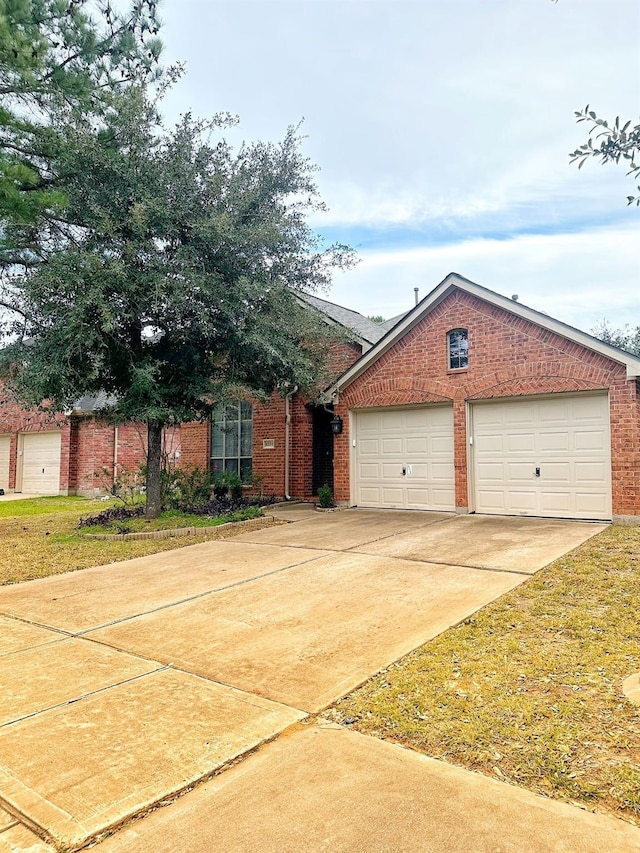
441	129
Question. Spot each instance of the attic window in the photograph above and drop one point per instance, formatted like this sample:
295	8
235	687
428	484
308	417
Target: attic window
458	345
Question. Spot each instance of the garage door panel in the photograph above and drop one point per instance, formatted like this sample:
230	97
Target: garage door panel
520	443
441	444
440	472
586	502
391	421
392	446
590	440
521	500
559	502
369	447
559	472
521	472
418	440
491	471
492	500
369	471
392	496
417	445
573	456
488	444
554	442
589	472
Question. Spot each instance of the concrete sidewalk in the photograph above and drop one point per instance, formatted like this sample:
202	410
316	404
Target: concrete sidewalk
127	683
324	789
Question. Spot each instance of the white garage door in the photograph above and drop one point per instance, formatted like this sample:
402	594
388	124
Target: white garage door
404	458
41	463
5	446
549	457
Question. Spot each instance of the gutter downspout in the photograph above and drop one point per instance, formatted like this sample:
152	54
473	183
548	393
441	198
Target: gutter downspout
287	440
115	454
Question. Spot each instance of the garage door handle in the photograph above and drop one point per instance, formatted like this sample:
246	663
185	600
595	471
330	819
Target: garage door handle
537	472
404	471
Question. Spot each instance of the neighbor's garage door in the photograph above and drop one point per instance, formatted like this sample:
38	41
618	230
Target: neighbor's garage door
41	463
5	445
549	457
416	441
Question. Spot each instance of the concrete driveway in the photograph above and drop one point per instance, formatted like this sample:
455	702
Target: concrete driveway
124	684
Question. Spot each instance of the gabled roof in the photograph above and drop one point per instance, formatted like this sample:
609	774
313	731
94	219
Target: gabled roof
454	281
366	330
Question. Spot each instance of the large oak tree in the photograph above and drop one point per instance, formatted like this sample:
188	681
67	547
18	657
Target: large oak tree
171	280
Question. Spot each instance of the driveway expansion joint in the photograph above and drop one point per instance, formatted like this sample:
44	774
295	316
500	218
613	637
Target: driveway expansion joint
196	597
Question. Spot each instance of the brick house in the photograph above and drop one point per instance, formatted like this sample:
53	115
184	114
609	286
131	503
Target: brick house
470	402
476	403
76	453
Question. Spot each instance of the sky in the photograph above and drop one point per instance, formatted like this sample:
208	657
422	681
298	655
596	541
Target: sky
441	129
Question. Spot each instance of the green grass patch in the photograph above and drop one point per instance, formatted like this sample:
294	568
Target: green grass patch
46	506
528	690
38	537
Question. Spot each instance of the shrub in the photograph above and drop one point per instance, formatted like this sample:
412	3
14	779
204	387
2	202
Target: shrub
325	496
185	488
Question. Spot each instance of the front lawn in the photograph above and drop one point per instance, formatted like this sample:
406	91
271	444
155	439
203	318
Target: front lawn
528	690
38	537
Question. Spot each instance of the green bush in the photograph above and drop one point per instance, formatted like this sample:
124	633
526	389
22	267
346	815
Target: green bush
226	482
185	488
325	496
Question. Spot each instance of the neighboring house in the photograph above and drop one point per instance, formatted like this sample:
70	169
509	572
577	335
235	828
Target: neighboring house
77	453
470	402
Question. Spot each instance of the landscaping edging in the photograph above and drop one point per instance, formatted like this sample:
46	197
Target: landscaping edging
176	532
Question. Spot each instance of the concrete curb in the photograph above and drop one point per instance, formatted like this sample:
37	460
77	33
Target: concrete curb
177	532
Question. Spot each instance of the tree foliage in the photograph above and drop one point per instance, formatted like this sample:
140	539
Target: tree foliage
611	143
625	338
170	281
59	60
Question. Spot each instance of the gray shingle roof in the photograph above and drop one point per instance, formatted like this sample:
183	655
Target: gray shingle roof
364	328
87	405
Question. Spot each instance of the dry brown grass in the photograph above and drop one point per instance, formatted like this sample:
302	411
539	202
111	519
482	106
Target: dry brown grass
528	690
38	538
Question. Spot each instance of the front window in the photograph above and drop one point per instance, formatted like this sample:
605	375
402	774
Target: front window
232	439
458	349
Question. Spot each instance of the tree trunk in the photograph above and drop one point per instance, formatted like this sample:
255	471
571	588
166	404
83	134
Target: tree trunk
154	455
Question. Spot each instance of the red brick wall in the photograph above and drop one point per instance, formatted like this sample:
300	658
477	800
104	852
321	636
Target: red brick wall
15	419
508	356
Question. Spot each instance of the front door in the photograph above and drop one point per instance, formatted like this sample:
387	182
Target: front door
322	449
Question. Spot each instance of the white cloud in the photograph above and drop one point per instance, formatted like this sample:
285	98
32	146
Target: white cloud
577	278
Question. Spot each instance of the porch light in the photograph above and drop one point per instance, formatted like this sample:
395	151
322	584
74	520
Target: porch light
336	424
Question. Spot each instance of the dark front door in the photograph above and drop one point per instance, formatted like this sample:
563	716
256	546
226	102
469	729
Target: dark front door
322	449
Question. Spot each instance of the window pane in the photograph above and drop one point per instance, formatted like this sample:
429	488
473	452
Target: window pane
231	438
246	411
217	466
231	412
231	465
217	440
245	470
458	349
246	438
